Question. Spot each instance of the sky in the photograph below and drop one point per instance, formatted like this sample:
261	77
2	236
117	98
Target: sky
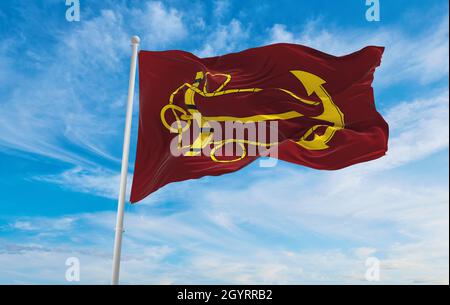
63	88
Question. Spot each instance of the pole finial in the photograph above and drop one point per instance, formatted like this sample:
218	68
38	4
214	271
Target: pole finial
135	40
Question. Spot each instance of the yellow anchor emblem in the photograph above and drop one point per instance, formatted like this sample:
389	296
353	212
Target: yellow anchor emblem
312	83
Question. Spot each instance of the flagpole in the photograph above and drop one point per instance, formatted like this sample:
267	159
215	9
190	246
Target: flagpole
124	169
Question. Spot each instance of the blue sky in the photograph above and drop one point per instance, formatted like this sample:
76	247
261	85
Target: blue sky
62	106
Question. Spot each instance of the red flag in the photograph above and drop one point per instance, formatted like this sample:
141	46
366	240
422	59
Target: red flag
320	106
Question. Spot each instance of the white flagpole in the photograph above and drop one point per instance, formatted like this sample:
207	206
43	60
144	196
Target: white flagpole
124	170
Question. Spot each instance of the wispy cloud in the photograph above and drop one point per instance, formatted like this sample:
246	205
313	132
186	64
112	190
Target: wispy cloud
226	38
418	128
98	181
221	8
422	58
160	25
69	111
57	110
314	236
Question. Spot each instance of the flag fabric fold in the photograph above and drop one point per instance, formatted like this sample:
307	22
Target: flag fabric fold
211	116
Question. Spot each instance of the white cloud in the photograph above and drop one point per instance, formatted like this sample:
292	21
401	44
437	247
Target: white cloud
58	106
417	129
100	182
101	41
69	110
161	25
226	38
314	236
423	58
279	33
365	252
221	8
41	225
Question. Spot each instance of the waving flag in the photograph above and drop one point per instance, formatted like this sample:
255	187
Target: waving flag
322	108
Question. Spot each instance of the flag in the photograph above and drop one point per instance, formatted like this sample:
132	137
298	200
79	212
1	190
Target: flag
211	116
